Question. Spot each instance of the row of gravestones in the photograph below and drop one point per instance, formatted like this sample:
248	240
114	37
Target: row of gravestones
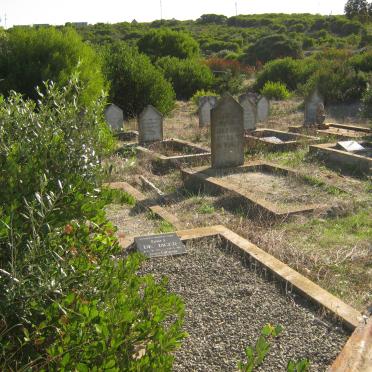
256	109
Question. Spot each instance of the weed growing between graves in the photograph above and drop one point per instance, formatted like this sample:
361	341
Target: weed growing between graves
256	354
66	301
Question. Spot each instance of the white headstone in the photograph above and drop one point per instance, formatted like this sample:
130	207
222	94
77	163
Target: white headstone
311	107
114	117
272	139
263	109
205	106
350	146
150	125
250	112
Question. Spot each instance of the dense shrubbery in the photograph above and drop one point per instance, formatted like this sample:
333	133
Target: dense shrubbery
165	42
272	47
66	302
202	93
30	56
186	75
275	91
340	76
135	82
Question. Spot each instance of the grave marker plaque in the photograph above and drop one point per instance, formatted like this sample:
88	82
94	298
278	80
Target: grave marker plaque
227	133
250	112
150	125
114	117
160	245
263	109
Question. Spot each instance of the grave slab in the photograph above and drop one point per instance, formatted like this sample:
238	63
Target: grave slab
263	109
150	125
350	146
114	117
161	245
340	159
250	112
276	140
206	104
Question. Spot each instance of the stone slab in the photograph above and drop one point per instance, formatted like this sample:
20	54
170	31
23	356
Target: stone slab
249	111
263	109
227	131
114	117
350	146
150	125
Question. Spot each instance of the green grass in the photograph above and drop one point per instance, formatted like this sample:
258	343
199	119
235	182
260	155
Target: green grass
314	181
164	227
288	158
116	196
206	208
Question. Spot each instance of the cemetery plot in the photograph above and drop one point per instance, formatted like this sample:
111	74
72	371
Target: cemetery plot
267	189
127	136
335	156
173	153
340	131
231	289
276	140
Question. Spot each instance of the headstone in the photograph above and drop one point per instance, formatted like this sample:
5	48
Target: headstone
205	106
272	139
263	109
227	133
311	107
150	125
350	146
160	245
114	117
250	112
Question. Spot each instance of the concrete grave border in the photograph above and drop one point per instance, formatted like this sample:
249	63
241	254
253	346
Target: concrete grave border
254	140
357	352
342	159
359	132
162	162
202	178
130	135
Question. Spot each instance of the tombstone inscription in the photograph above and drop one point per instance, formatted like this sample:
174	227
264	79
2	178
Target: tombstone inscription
227	133
150	125
160	245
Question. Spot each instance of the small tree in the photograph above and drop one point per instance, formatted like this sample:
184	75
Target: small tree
360	9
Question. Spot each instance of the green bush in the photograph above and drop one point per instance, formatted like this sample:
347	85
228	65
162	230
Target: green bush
362	61
186	75
275	90
202	93
165	42
67	302
135	82
272	47
29	56
367	103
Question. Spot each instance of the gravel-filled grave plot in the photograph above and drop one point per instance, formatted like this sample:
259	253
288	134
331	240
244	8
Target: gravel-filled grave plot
227	304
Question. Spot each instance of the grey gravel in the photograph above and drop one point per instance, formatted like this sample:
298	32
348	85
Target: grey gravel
228	303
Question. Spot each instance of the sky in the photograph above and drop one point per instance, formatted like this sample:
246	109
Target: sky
23	12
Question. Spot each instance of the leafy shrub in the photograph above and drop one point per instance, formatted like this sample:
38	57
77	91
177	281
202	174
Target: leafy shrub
135	82
186	75
217	46
165	42
66	301
212	18
367	103
362	61
272	47
275	91
288	71
235	67
29	56
202	93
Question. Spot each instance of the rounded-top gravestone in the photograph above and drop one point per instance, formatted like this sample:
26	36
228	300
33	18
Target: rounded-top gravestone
227	133
263	109
150	125
114	117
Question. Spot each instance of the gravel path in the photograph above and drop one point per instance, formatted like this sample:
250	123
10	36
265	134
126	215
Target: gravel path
228	304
